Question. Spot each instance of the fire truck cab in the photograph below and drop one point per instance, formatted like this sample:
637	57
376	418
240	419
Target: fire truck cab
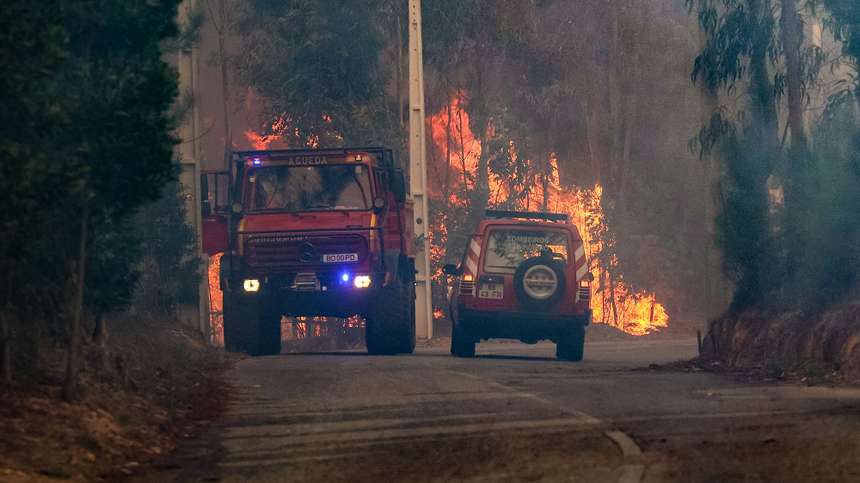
313	232
523	276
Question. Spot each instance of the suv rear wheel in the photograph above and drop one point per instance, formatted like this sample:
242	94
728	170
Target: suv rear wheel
571	344
251	325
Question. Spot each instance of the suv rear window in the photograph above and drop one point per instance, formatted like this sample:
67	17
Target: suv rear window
508	248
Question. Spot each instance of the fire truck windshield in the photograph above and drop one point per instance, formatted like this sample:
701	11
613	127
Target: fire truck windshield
310	188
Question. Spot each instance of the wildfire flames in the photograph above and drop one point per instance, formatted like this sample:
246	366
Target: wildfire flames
216	301
452	176
257	141
636	313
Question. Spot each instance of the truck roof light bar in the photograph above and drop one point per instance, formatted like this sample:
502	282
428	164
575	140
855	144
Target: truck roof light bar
276	153
528	215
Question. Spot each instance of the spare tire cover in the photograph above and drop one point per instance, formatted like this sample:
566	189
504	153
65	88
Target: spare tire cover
539	283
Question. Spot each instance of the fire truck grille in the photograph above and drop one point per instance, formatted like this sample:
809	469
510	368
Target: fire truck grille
278	251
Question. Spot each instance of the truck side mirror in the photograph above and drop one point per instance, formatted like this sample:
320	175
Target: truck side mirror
398	185
451	269
205	208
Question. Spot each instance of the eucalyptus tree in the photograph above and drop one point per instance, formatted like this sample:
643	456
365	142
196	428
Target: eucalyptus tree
318	69
845	23
741	52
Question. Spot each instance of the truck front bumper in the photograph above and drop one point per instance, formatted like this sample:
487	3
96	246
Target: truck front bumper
325	296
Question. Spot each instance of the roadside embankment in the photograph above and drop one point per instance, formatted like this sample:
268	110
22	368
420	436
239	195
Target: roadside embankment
817	346
156	384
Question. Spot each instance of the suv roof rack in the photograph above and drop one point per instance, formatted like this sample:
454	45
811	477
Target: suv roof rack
531	215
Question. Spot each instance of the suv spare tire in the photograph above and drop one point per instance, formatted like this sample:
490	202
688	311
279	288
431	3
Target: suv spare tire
539	282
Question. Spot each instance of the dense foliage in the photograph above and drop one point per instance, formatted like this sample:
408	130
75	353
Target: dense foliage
86	142
787	224
316	66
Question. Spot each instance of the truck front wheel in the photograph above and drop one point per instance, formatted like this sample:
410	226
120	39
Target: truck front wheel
390	322
251	325
462	342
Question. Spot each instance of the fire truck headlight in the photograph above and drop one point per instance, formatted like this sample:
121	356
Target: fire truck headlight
584	284
251	285
361	281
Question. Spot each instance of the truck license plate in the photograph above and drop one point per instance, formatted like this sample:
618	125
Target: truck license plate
339	257
491	291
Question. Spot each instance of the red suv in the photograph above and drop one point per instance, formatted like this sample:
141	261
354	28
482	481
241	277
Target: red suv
524	276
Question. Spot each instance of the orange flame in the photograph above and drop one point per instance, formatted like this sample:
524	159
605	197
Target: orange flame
216	301
258	141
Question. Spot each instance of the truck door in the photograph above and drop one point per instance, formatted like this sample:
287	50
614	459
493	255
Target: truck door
214	208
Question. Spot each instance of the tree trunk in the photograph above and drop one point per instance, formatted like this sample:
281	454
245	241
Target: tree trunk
612	299
792	41
100	331
651	313
765	131
100	336
624	171
602	289
446	186
796	177
463	154
762	93
5	326
5	349
73	353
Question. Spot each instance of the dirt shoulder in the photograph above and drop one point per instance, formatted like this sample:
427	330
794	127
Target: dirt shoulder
819	348
157	385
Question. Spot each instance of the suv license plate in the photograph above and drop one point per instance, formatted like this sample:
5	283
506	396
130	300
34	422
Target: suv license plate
339	257
492	291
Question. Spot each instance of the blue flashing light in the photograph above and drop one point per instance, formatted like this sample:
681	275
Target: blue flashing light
344	277
257	161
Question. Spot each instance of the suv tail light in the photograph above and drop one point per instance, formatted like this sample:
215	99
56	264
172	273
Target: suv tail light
583	294
467	286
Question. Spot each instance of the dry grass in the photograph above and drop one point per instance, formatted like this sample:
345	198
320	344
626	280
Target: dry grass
809	346
156	385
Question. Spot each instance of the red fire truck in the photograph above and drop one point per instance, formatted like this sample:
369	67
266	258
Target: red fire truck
312	232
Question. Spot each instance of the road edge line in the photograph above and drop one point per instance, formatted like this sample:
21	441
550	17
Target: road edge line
630	472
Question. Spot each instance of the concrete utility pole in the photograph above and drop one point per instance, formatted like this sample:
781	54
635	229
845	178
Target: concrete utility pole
418	175
189	153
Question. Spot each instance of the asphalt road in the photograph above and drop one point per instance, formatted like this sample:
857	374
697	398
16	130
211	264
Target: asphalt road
516	414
